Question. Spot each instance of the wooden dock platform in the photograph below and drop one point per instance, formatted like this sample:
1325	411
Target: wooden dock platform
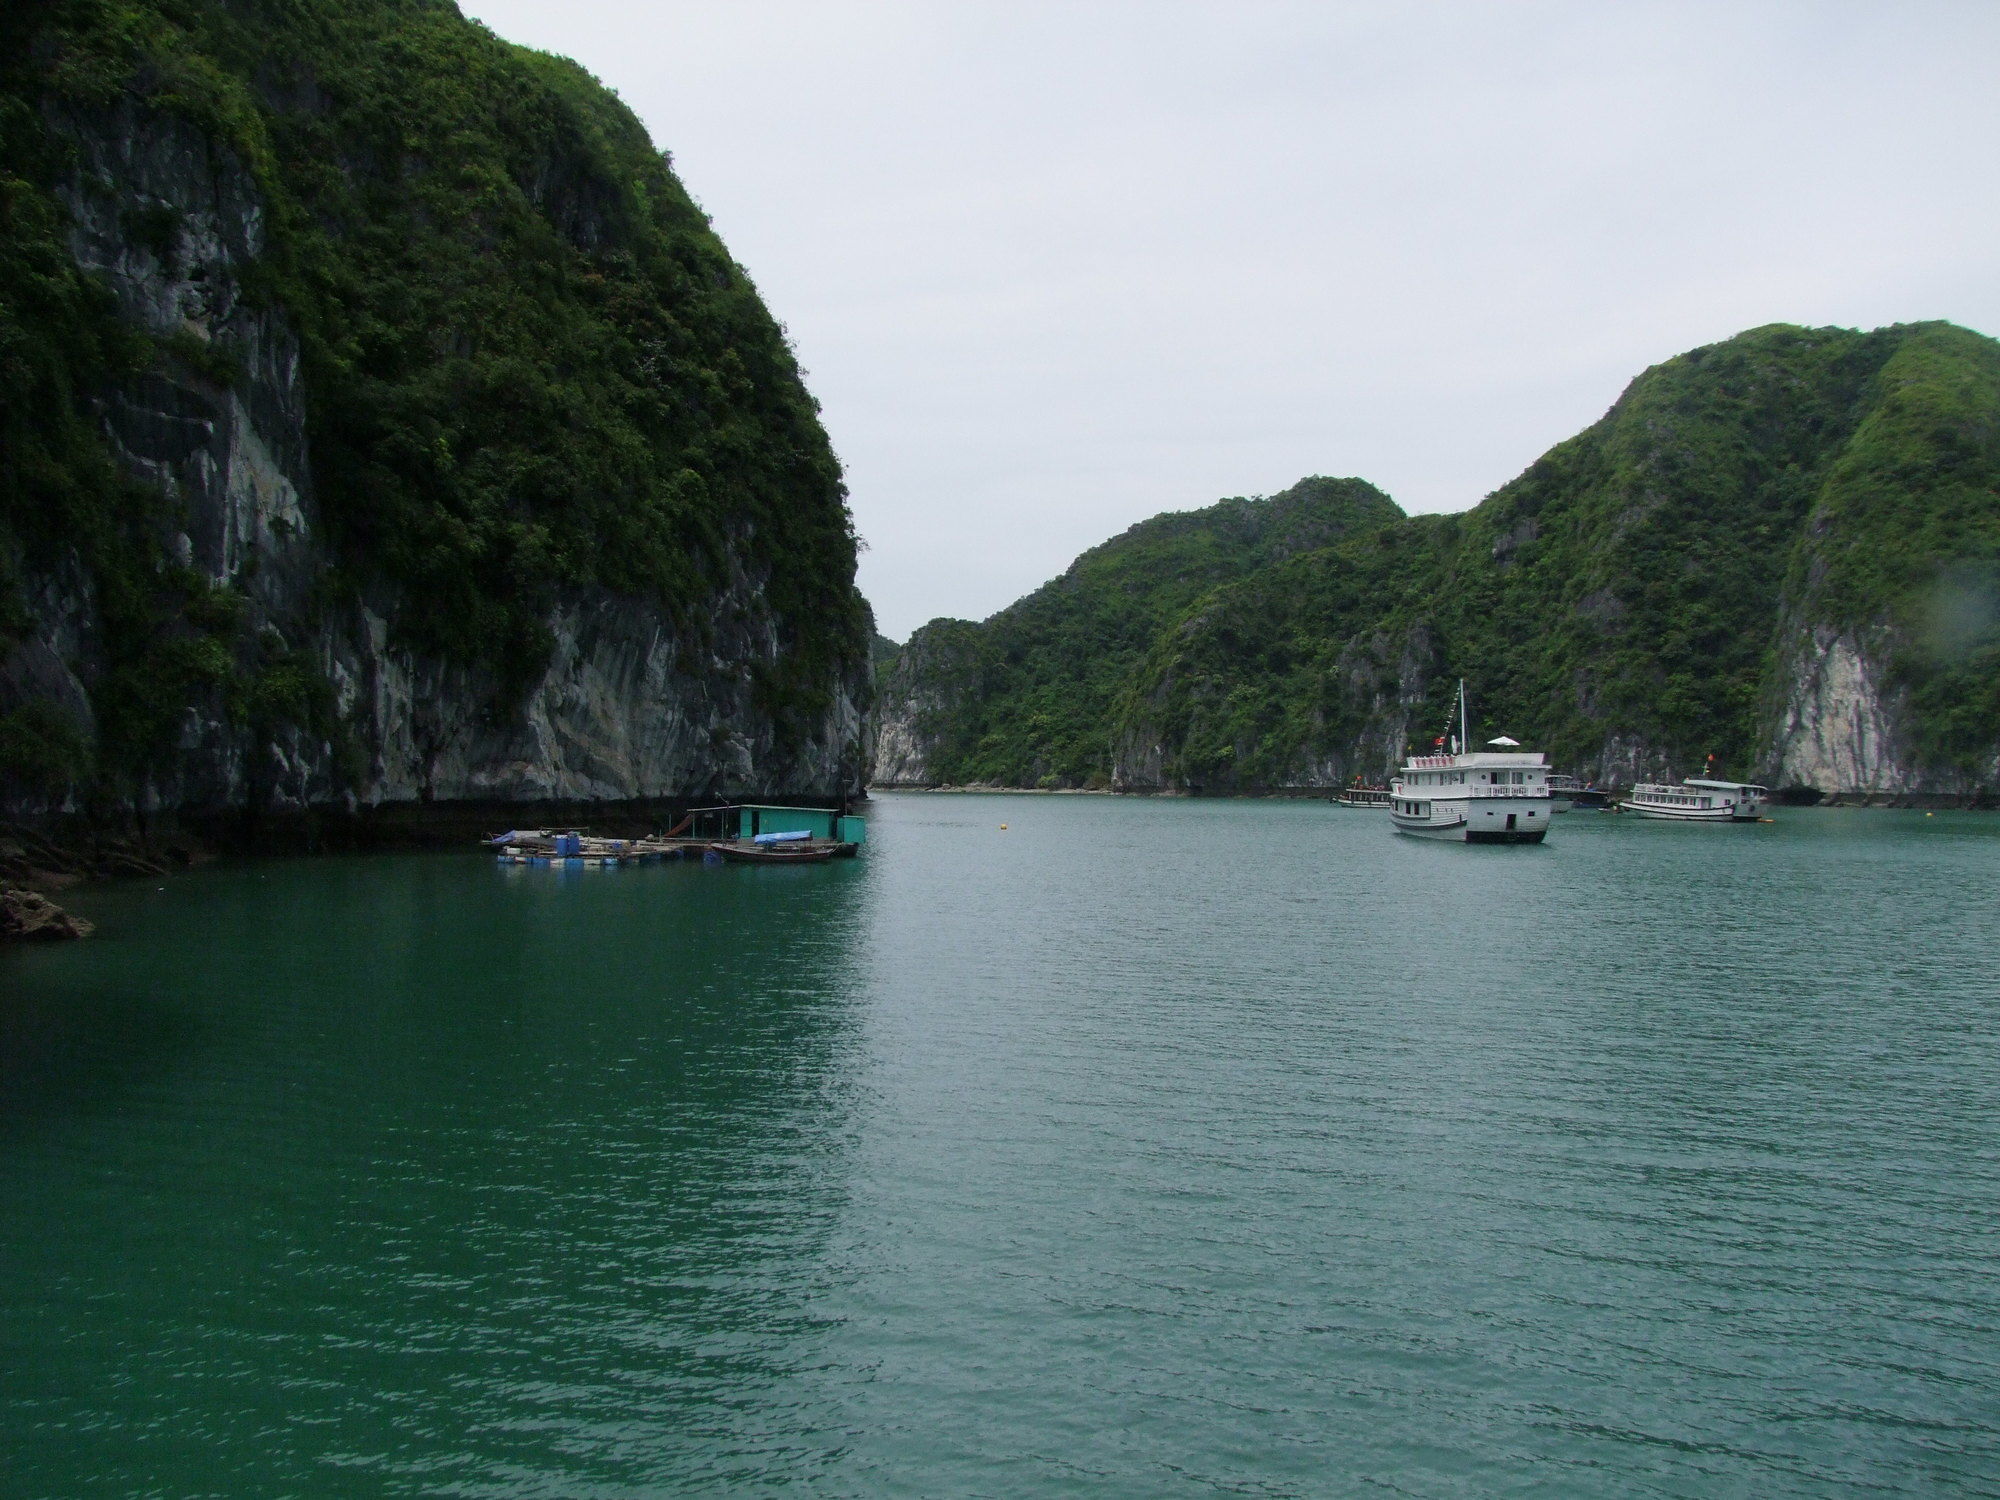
599	853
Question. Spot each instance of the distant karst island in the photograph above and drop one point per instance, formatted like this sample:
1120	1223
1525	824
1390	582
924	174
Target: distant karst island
1781	551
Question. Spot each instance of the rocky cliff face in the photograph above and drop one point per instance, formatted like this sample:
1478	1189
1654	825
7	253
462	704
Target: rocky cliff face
216	442
1837	730
942	666
1844	728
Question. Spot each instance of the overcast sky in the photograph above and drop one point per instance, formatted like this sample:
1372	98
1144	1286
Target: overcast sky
1053	268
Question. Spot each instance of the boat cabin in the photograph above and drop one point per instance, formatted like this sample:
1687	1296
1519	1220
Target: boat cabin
747	820
1756	793
1483	769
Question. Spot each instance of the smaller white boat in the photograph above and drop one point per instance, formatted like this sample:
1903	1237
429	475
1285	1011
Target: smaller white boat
1699	800
1363	796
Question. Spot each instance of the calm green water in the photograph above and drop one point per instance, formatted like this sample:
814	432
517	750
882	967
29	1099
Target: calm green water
1144	1148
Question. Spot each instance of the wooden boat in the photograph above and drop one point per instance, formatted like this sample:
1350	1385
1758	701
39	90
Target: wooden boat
775	854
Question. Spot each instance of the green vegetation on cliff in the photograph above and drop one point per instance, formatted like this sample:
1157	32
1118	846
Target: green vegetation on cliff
1026	697
1644	596
529	364
1641	589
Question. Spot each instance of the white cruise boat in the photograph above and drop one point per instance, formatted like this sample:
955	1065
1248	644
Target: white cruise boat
1699	800
1498	795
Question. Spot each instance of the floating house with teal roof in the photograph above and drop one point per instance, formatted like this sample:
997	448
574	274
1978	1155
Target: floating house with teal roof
743	821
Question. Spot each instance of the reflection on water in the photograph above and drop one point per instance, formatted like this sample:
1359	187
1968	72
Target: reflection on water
1141	1148
462	1178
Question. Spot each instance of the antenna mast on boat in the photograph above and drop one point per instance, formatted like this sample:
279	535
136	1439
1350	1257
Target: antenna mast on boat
1464	740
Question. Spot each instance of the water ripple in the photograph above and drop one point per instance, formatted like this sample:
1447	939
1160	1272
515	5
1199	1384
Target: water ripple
1147	1148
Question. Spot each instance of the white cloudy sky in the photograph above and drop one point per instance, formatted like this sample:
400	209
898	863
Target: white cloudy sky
1053	268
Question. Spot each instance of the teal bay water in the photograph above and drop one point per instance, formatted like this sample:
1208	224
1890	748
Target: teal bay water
1142	1148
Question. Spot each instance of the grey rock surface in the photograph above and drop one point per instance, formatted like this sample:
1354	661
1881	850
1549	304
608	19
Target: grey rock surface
624	709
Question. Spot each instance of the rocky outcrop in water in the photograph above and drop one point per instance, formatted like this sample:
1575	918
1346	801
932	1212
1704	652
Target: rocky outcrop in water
28	917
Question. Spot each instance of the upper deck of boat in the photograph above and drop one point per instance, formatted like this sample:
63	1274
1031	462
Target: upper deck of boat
1479	760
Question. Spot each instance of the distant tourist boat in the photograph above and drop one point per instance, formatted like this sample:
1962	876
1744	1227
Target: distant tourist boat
1566	792
1363	796
1499	795
1699	800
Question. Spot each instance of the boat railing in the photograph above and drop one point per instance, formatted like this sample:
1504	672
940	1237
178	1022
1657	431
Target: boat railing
1459	793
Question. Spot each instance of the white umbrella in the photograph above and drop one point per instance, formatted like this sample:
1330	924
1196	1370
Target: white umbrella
1503	740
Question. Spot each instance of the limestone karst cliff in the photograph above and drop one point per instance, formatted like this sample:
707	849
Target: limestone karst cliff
1782	551
382	422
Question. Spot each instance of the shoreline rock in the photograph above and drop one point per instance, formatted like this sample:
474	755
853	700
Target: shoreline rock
28	917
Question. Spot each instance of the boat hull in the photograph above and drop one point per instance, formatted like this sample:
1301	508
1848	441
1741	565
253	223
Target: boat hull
1689	815
773	854
1461	833
1454	831
1514	821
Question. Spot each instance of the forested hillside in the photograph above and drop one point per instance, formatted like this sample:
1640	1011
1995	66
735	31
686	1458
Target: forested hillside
1782	551
379	418
1024	698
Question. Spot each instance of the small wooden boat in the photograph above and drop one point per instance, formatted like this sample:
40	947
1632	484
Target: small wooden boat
775	854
